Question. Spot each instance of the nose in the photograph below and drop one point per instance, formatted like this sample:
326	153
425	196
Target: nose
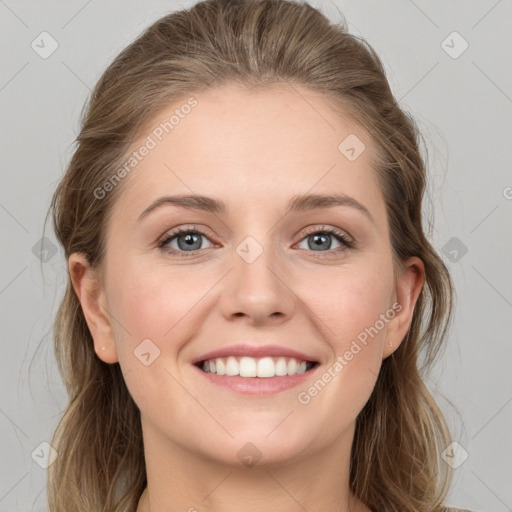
257	291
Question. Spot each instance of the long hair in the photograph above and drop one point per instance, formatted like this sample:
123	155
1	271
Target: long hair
395	461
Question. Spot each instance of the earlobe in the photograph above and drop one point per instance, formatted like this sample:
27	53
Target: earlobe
92	300
408	289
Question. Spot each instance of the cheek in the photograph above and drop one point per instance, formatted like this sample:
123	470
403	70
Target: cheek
154	317
354	307
145	304
350	308
351	299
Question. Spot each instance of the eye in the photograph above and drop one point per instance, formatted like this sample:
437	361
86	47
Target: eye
183	240
188	241
320	240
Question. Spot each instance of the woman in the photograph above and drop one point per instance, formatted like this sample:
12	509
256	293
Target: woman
250	283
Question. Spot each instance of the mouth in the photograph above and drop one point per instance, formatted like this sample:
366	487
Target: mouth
251	367
256	376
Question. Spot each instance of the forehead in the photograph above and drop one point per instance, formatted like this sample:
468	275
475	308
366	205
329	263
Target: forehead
251	146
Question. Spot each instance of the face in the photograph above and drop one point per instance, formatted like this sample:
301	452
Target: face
268	268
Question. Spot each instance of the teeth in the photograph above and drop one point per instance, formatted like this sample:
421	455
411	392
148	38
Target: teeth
232	367
252	367
221	368
280	366
293	365
265	367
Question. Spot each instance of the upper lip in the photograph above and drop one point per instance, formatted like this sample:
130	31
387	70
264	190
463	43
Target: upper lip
254	351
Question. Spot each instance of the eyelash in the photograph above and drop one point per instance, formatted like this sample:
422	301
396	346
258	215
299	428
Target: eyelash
340	235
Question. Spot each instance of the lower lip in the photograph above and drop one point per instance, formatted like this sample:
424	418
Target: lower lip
257	385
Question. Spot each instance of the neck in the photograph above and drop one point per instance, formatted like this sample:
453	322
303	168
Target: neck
179	480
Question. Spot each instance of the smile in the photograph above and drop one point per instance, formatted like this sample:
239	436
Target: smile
256	376
265	367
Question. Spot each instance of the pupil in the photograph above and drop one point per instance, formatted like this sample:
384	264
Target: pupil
320	239
189	241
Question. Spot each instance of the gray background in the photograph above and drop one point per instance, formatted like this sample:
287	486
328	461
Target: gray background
463	106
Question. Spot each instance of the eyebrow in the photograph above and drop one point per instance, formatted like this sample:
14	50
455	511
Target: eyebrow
298	203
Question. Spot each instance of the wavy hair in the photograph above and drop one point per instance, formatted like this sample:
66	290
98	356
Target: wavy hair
395	461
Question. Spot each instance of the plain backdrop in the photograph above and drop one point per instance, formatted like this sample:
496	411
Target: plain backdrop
449	64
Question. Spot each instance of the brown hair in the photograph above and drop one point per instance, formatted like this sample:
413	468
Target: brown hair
395	460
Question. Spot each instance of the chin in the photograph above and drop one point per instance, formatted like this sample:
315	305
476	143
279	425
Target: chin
258	449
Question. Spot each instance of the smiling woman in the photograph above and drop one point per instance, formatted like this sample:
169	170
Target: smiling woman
250	286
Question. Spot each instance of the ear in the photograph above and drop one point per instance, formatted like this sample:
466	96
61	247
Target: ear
93	301
408	287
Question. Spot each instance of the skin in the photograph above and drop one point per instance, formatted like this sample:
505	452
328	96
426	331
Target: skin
253	150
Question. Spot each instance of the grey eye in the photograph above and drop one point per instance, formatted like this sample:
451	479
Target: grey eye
320	242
